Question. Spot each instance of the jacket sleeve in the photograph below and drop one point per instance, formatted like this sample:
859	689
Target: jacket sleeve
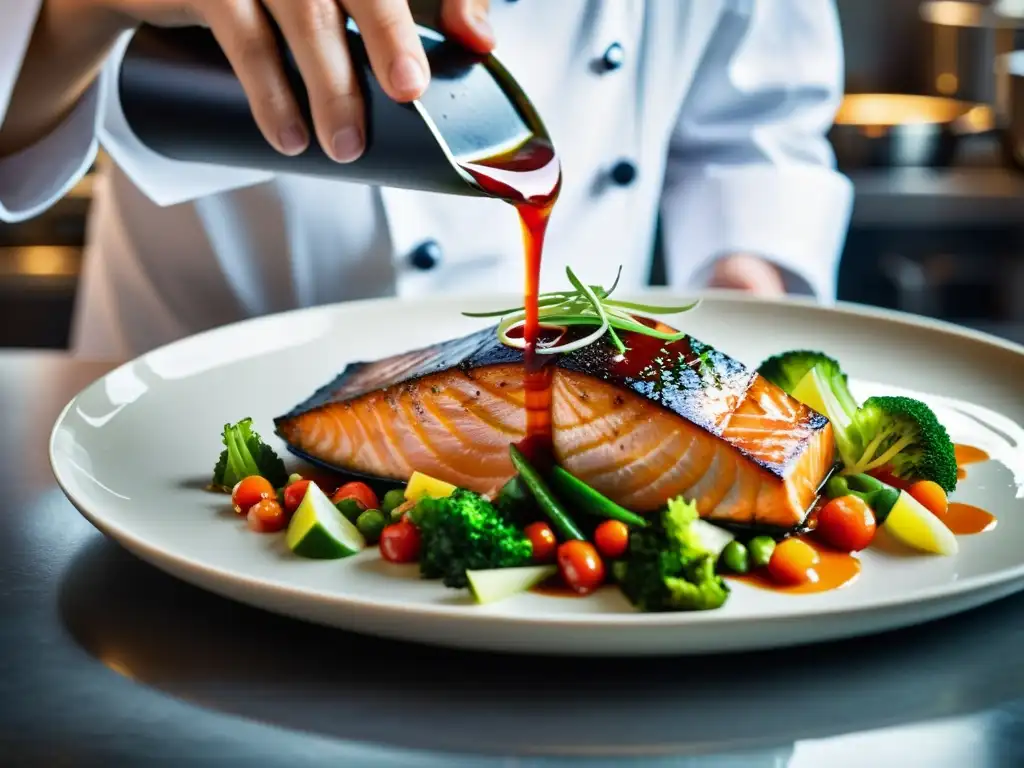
750	168
32	180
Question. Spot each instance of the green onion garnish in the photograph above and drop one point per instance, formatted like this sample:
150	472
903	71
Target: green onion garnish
585	305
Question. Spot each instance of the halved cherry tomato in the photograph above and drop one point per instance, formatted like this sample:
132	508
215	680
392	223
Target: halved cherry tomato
931	496
293	495
543	540
361	492
887	477
793	562
612	538
581	567
267	516
846	523
400	542
250	490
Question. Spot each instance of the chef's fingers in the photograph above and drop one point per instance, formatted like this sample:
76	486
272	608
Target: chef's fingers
466	21
749	273
243	32
393	45
315	33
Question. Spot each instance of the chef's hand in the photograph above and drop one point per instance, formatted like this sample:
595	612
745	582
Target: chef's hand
315	31
749	273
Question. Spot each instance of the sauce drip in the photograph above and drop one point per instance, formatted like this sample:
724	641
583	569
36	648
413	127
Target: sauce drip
965	455
835	570
966	519
530	178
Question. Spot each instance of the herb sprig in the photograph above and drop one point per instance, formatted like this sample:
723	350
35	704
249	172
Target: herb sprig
585	305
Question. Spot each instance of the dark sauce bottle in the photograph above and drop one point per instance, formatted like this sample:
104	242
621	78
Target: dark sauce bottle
181	99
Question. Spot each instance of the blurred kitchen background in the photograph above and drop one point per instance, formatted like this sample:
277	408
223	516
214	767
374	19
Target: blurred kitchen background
931	133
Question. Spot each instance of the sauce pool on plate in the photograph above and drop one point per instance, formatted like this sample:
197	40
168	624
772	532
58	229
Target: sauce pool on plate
967	519
833	571
966	455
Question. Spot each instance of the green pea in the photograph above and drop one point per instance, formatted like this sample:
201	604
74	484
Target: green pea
393	498
370	523
761	548
735	557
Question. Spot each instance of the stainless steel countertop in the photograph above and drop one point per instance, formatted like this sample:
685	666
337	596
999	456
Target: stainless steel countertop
105	660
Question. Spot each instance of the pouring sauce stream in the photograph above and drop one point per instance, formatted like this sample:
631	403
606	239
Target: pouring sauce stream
530	178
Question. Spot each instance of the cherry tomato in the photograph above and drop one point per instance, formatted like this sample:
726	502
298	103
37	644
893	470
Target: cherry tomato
267	516
293	495
361	492
249	491
400	542
581	567
543	540
846	523
931	496
612	538
888	478
793	562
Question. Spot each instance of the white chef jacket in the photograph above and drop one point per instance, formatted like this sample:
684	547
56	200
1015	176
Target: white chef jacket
720	106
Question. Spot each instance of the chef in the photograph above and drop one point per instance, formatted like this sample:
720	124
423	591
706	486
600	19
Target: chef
712	113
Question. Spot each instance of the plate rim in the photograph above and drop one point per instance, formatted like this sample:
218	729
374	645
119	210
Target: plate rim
569	621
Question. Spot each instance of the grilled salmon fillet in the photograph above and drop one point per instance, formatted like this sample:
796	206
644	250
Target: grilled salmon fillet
669	419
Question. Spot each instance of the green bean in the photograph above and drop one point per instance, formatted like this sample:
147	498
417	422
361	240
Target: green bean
760	549
586	499
547	501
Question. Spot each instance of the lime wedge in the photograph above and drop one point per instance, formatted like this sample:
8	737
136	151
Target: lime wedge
814	392
810	391
914	525
319	531
494	584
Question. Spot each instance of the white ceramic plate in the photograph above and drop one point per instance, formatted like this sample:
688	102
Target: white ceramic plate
134	449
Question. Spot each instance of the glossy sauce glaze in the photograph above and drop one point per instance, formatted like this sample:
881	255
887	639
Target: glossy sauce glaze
529	178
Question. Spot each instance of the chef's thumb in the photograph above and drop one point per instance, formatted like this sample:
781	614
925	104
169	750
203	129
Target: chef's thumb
466	21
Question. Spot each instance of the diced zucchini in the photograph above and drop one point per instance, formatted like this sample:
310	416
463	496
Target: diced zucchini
495	584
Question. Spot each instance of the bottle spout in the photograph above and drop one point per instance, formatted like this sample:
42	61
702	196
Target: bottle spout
182	100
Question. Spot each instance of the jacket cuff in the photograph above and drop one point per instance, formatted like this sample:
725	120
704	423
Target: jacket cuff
32	180
795	217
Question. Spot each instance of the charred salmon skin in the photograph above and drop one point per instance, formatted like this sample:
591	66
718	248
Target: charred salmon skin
667	419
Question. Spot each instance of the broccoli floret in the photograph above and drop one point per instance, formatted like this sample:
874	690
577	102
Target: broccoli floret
789	368
466	532
905	435
667	567
246	454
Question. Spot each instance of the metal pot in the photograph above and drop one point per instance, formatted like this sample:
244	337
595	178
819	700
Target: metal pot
965	40
873	130
1013	133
